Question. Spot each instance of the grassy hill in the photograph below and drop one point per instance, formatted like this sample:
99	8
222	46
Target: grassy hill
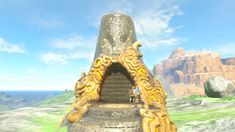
42	116
4	107
201	113
193	113
63	98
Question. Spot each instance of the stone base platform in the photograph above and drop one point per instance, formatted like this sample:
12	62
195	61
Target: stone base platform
106	117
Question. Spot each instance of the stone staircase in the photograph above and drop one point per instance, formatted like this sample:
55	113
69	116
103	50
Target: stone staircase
111	117
116	86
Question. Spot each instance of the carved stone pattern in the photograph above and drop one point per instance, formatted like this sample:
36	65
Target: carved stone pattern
117	32
88	88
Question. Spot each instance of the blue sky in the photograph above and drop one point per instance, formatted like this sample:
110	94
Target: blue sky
44	45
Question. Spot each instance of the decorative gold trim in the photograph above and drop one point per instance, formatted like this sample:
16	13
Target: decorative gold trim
151	91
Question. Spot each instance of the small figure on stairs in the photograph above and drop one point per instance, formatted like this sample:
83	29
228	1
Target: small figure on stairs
132	95
136	91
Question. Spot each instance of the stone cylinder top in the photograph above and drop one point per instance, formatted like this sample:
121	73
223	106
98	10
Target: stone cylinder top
116	33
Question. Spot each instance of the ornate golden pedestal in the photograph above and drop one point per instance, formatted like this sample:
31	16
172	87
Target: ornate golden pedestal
117	46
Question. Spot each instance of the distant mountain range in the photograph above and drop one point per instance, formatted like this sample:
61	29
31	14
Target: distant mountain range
8	102
19	99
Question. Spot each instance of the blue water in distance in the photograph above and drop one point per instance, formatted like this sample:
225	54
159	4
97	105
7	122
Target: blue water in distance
32	96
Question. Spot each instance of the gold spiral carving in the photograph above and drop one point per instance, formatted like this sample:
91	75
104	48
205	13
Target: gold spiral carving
151	91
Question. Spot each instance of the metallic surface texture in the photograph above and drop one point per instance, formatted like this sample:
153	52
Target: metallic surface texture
116	33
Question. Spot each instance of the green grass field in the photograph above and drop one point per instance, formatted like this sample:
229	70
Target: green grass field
182	112
217	108
50	122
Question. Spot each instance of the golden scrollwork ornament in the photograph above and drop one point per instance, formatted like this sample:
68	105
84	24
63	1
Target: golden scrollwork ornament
117	45
151	91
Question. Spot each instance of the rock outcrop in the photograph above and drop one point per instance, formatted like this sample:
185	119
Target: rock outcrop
194	67
219	87
168	89
228	61
182	89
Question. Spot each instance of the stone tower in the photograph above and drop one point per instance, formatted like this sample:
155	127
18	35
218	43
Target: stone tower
117	32
102	97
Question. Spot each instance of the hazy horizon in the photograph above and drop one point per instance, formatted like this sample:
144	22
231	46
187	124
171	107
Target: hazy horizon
45	45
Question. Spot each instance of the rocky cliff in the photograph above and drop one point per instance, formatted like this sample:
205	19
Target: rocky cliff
195	67
228	61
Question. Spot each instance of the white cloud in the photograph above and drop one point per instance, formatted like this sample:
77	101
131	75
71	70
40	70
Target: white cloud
171	41
81	54
41	78
226	50
153	27
62	59
71	47
156	21
54	58
152	19
72	42
5	46
69	43
47	22
121	6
